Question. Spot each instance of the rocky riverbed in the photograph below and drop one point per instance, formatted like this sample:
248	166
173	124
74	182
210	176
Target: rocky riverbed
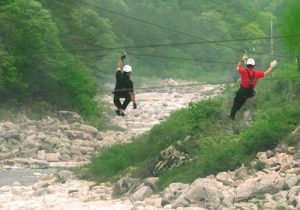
66	141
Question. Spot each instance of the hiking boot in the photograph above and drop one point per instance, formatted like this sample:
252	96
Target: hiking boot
122	114
231	117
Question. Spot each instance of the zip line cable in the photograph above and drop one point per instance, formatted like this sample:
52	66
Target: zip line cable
173	44
176	44
199	84
152	24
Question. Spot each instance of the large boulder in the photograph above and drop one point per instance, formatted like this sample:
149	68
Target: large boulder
142	193
168	158
205	193
264	183
294	196
70	117
125	185
172	192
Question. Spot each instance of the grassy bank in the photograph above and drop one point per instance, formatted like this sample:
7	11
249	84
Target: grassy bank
216	143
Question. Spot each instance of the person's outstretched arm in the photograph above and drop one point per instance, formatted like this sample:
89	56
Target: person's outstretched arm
244	59
272	65
120	64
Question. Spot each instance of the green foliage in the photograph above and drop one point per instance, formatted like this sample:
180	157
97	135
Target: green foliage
53	51
113	161
213	146
291	23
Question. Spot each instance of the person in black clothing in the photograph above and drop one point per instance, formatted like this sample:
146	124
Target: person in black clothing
124	87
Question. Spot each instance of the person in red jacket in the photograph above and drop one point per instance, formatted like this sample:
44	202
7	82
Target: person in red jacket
249	78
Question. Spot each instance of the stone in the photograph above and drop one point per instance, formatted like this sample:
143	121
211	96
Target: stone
125	185
38	164
15	183
88	129
224	178
293	171
204	193
142	193
65	157
266	183
41	155
293	195
73	134
241	174
151	182
291	150
64	175
262	156
70	117
172	192
53	157
29	153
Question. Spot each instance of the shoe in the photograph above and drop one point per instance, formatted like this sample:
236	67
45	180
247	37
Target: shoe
231	117
122	114
118	112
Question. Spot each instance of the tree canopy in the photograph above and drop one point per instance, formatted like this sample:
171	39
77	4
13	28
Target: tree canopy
61	52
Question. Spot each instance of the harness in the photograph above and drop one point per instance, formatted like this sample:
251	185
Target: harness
251	88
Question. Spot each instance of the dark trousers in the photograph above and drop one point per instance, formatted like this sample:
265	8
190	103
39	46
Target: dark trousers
240	98
118	103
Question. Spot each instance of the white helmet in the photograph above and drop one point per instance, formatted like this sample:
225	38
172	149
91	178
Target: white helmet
250	61
127	68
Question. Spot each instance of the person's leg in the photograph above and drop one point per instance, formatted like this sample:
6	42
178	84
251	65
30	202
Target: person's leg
126	102
239	100
118	104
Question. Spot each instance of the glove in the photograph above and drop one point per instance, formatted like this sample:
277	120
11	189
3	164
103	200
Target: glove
245	57
273	63
134	106
123	57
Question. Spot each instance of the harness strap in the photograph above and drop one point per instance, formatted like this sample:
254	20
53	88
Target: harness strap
251	78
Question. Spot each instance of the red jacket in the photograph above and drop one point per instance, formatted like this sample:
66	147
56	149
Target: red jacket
245	80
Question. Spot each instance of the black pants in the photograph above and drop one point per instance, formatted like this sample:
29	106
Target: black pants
240	98
118	103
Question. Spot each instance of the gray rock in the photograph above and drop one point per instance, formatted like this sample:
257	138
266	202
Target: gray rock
294	196
89	129
291	180
29	153
172	192
224	178
168	158
205	193
15	183
53	157
151	182
86	150
265	183
7	155
70	117
142	193
38	164
64	175
242	173
41	155
125	185
65	158
73	134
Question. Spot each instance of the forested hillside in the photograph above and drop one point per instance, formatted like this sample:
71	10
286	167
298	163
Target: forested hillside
61	52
